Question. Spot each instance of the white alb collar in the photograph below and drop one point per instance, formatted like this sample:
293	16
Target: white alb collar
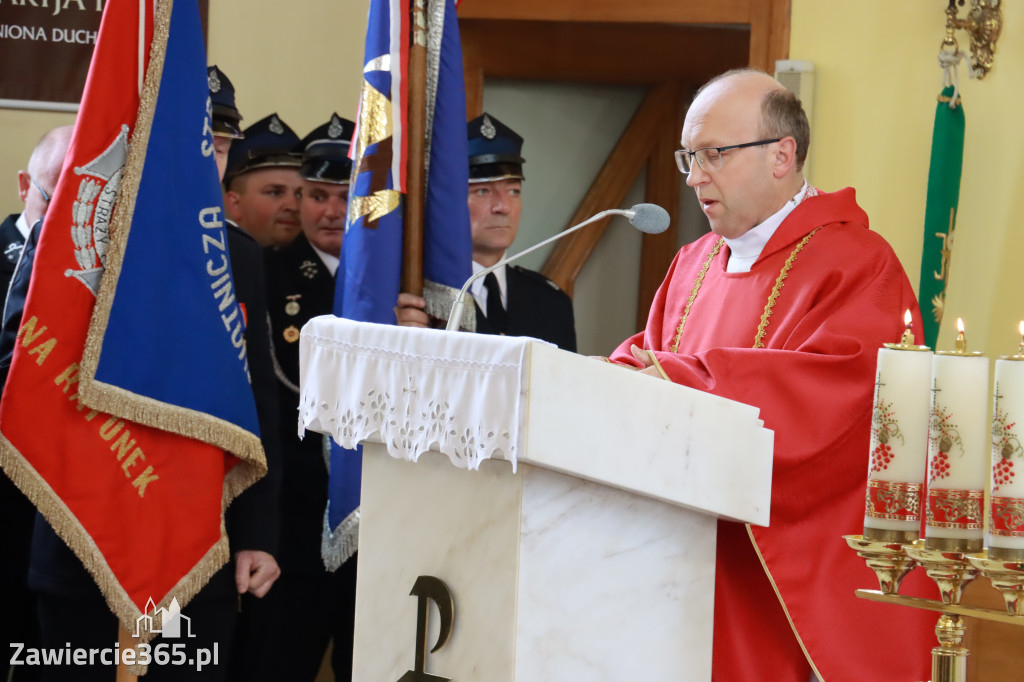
745	249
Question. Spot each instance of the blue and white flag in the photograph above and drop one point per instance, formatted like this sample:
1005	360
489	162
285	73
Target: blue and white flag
166	346
369	275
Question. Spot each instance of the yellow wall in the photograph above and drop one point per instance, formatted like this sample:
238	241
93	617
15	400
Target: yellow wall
302	59
877	77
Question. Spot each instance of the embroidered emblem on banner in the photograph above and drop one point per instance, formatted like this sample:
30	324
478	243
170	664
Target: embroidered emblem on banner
91	212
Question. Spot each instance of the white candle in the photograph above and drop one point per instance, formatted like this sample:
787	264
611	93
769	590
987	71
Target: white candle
1006	526
958	442
899	442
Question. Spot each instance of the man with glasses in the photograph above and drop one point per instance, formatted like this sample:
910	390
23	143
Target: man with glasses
783	305
35	187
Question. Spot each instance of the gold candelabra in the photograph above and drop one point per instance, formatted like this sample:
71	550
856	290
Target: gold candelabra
951	569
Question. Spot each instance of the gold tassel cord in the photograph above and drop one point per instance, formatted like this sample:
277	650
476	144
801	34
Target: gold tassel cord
693	292
772	298
769	307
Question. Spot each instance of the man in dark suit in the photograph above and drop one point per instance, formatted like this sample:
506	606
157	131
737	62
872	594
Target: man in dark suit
310	605
511	300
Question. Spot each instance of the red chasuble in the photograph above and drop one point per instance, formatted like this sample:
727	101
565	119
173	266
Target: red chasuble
844	296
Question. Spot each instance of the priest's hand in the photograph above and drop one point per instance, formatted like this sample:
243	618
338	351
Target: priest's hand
646	358
255	572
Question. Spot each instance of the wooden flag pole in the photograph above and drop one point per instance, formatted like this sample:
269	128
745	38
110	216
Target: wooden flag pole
412	231
124	641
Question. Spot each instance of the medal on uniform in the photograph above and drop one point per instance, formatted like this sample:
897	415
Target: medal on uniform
291	334
292	306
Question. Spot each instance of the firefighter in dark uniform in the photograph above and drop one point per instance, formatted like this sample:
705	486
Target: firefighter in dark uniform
511	300
310	605
262	183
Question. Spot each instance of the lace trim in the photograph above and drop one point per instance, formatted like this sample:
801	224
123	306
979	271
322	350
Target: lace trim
408	425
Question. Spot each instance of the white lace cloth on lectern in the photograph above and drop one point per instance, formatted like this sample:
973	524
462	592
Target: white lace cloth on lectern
413	390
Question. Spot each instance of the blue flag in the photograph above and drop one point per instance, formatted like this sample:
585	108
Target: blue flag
369	274
166	345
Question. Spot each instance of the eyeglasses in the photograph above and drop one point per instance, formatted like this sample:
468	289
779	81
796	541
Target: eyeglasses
46	197
710	158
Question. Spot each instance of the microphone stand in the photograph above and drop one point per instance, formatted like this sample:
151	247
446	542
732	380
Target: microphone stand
460	301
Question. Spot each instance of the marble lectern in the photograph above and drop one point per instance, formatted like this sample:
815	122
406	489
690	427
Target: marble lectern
569	505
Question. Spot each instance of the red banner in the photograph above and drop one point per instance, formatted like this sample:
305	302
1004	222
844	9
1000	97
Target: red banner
142	508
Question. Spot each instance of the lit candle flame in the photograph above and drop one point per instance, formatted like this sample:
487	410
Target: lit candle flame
1020	349
961	342
908	336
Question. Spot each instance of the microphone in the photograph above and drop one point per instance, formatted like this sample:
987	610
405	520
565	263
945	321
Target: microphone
648	218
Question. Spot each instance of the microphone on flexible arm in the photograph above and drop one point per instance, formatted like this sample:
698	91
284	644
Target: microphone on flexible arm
649	218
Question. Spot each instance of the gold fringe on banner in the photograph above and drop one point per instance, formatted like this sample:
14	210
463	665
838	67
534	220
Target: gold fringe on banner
121	402
64	523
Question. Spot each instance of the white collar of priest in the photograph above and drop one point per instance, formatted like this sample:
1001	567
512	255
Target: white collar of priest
479	291
745	249
331	262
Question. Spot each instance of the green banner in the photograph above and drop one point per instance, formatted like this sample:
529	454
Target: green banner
940	212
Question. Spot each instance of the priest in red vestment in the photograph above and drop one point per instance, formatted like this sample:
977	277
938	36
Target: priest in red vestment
784	306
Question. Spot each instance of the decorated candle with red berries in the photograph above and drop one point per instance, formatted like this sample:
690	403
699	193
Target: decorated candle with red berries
899	442
958	447
1006	524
